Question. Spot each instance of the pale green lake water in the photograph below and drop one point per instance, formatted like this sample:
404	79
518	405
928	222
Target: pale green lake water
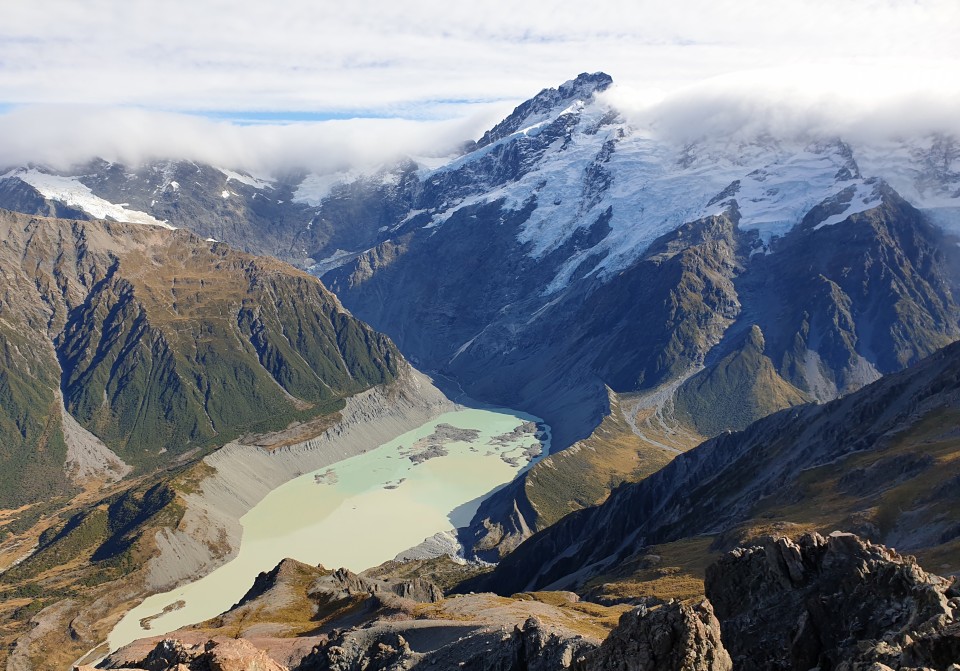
351	519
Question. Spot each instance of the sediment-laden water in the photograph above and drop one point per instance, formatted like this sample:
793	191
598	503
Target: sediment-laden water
359	512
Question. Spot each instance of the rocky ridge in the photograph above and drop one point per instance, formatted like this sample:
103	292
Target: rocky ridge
834	603
879	462
676	636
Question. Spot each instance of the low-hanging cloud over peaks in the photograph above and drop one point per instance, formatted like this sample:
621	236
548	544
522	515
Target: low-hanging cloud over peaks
800	103
409	58
807	102
60	137
134	80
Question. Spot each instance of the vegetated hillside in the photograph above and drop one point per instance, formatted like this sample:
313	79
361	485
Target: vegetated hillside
72	566
159	345
128	353
881	462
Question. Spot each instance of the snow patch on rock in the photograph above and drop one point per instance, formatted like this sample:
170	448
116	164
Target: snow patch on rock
72	192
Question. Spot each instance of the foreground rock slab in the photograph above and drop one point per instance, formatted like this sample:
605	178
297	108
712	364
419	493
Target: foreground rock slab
831	603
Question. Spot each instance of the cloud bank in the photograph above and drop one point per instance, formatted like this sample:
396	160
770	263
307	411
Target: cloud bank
64	136
427	59
804	103
132	80
857	104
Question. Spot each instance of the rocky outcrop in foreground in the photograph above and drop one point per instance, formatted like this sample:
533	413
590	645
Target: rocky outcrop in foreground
832	603
219	654
674	637
835	604
532	647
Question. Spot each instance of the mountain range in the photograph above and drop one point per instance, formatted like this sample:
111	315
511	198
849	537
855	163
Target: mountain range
729	337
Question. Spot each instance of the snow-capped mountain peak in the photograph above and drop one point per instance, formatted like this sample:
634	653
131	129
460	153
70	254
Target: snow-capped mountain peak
546	103
577	166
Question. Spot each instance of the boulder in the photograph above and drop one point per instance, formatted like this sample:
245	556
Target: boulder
672	637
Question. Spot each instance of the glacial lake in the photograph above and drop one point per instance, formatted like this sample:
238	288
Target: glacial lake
360	512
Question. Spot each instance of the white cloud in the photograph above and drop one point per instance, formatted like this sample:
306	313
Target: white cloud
63	136
108	77
404	57
786	103
859	104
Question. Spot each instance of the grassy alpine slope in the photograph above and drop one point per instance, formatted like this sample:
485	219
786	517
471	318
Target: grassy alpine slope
162	345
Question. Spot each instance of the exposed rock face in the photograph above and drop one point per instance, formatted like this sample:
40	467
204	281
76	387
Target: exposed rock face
934	647
673	637
831	603
343	582
386	651
219	654
238	655
581	88
530	647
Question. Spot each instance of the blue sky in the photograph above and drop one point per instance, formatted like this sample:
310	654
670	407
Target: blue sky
459	65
